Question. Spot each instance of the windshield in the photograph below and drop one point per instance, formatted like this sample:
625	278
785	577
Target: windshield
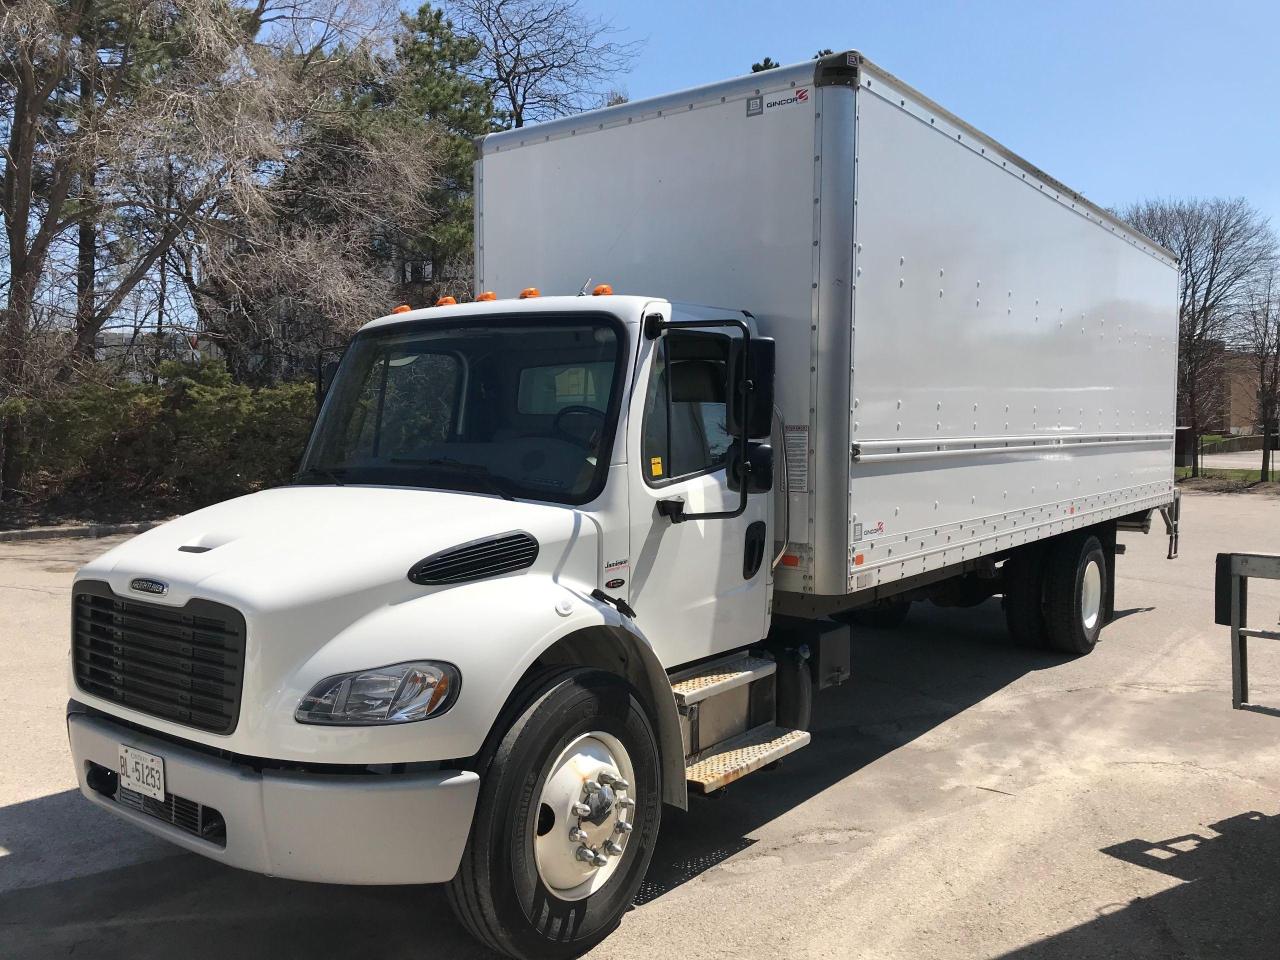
508	407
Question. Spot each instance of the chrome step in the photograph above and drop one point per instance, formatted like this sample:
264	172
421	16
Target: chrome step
712	679
734	758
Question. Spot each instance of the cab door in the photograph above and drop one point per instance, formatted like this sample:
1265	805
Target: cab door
699	586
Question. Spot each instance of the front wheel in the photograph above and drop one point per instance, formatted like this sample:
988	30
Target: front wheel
566	820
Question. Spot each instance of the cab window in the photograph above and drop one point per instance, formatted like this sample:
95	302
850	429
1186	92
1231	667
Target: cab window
685	428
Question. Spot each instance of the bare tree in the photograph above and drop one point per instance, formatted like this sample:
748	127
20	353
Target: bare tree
1222	246
128	145
1258	335
543	58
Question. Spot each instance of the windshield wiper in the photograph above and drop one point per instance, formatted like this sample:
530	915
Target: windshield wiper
458	468
320	472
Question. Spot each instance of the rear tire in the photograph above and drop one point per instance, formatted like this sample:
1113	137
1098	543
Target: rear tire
1075	596
516	889
1023	593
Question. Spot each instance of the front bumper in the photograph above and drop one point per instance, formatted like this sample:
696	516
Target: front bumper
330	828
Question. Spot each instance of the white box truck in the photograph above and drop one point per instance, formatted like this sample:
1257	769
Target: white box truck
553	561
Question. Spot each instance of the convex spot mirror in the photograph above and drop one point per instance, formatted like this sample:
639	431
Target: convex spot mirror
757	407
759	459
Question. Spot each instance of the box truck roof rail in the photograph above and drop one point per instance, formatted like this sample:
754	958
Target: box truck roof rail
769	90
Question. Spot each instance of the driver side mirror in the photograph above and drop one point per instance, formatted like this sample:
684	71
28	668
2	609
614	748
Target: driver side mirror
756	408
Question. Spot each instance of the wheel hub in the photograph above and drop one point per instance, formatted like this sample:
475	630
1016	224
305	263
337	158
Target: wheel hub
585	815
1091	596
601	801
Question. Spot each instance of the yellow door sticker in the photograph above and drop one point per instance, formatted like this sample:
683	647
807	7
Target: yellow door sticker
655	466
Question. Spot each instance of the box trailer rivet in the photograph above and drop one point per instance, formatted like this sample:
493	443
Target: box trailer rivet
553	563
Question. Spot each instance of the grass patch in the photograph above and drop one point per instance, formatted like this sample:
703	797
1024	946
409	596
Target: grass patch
1226	481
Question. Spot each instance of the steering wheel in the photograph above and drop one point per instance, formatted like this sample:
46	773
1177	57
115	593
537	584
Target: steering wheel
586	442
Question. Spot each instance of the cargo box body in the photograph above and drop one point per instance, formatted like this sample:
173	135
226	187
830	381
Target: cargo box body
970	356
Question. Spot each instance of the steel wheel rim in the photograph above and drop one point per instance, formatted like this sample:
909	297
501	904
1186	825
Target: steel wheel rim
1091	595
588	790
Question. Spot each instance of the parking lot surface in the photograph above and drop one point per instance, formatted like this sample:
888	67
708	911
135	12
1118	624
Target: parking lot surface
1242	460
962	798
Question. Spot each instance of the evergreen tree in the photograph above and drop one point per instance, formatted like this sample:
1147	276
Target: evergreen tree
433	83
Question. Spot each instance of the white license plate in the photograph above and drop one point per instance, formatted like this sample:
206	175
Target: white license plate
142	772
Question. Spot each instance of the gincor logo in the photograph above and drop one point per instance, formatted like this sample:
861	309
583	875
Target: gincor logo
800	95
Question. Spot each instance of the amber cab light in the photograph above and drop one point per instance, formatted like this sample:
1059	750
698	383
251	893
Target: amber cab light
528	292
446	302
487	295
602	290
403	308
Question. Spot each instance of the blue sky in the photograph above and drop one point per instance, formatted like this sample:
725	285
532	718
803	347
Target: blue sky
1119	100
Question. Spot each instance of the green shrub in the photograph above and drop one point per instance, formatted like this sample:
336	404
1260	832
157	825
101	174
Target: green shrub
193	439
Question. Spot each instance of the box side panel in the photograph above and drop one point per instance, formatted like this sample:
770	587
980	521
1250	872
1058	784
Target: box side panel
1014	358
709	201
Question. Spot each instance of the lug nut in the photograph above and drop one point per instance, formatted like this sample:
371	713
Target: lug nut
586	855
605	777
622	827
599	860
612	849
577	835
581	810
592	787
620	784
626	802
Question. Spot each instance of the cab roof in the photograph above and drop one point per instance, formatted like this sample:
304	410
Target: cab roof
630	309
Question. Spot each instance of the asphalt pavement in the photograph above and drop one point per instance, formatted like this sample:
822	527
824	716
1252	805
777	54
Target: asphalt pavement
962	798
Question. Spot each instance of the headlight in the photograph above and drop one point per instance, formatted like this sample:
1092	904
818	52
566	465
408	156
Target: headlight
400	693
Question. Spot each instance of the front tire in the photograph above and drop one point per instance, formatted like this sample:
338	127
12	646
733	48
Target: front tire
525	886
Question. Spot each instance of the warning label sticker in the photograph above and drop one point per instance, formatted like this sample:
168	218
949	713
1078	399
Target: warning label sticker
796	445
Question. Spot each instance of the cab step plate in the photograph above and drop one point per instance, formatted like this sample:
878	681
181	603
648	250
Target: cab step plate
740	755
719	677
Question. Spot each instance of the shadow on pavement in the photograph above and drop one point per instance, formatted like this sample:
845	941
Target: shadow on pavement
188	907
906	682
1227	906
1121	614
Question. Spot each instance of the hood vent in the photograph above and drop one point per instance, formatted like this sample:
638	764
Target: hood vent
504	553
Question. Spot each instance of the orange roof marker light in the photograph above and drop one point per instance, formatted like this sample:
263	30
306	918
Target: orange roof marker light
529	292
602	290
446	302
403	308
487	295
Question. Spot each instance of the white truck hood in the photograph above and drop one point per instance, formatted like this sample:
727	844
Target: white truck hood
288	546
321	576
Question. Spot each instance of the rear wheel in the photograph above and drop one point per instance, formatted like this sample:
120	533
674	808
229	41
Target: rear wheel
1075	597
566	820
1023	594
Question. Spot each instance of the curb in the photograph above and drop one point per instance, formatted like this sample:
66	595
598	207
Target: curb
81	531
